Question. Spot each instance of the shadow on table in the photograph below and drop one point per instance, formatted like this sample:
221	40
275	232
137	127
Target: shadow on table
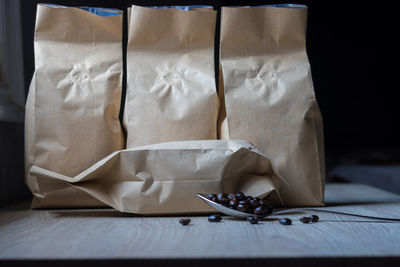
106	212
358	203
358	221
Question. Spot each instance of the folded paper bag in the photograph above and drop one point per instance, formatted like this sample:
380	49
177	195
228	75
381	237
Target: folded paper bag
163	178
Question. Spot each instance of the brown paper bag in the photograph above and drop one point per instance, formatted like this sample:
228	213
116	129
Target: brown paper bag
74	99
269	96
171	91
164	178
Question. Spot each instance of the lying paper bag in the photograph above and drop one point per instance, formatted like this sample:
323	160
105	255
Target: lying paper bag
74	99
164	178
171	92
269	96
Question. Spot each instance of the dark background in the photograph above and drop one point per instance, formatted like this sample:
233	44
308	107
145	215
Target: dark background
353	50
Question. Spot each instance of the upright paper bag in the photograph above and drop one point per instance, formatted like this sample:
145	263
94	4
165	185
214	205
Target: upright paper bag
74	99
269	96
171	91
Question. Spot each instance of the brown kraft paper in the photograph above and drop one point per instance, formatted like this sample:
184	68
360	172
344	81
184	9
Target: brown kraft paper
164	178
74	99
171	91
269	96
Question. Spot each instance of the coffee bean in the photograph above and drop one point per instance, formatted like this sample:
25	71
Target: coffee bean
253	203
252	219
241	207
211	196
240	196
214	218
256	199
314	218
259	210
285	221
224	201
232	196
233	203
305	219
184	221
243	203
221	196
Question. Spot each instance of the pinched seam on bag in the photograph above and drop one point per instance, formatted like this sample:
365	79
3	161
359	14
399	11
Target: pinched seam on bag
78	74
172	76
267	76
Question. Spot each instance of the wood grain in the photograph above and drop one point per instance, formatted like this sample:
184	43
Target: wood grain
108	234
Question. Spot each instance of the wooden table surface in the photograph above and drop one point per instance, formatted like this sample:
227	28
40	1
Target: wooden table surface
105	236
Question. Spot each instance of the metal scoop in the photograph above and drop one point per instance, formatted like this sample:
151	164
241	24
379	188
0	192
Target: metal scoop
229	211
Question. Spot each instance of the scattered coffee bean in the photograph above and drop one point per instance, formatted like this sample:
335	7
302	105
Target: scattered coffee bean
314	218
214	218
252	219
305	219
285	221
184	221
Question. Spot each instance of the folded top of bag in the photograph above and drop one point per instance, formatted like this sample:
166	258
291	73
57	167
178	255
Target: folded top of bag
283	6
187	8
295	6
99	11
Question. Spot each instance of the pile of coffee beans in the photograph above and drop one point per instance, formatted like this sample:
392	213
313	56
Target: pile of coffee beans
248	204
241	202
